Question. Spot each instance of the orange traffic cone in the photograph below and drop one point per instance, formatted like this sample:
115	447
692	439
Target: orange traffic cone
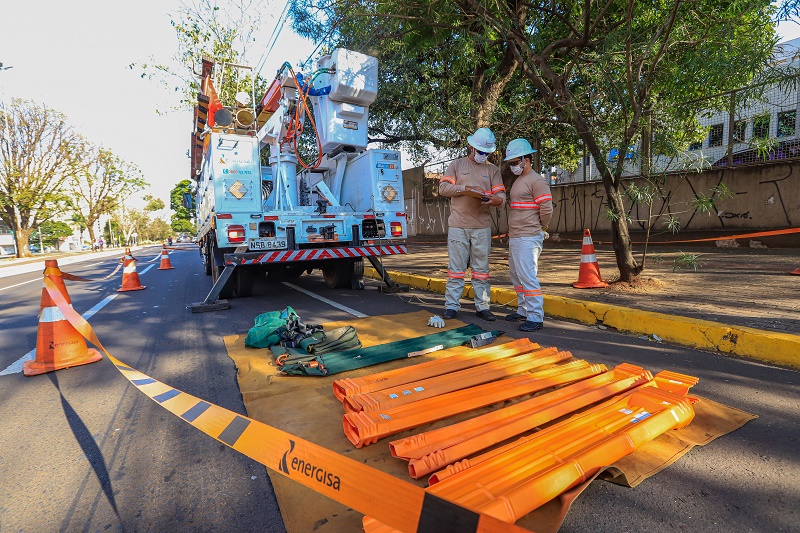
130	279
589	275
58	344
165	262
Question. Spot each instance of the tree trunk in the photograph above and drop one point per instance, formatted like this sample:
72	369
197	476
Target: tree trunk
22	237
629	270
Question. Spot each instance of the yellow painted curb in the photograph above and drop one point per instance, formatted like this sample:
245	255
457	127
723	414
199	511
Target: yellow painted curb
769	346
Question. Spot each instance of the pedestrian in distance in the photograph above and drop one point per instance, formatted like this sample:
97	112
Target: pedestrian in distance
473	185
530	209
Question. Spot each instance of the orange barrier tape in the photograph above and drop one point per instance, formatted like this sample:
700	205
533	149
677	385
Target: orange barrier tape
73	277
365	427
338	477
453	381
770	233
392	378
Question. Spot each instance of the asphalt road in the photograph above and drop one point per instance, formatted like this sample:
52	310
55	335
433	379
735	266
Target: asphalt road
82	450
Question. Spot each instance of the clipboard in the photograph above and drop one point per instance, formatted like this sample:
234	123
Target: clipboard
474	194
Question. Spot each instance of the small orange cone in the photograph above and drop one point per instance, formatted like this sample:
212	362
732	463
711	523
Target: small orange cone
796	272
589	275
58	344
165	262
130	279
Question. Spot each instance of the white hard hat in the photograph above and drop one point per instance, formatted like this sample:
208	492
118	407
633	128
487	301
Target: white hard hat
483	140
518	148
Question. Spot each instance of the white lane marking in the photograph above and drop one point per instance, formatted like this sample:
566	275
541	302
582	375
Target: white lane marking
146	269
31	281
329	302
18	284
16	366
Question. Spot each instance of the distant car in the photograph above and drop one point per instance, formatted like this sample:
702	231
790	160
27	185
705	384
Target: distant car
184	238
33	248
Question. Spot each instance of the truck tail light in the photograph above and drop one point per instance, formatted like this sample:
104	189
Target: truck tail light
235	234
397	229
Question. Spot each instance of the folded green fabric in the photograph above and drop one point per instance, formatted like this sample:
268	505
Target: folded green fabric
342	361
266	331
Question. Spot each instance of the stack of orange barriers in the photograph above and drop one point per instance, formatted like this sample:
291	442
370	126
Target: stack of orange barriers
618	411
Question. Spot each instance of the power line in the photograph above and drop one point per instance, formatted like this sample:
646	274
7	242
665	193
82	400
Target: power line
273	38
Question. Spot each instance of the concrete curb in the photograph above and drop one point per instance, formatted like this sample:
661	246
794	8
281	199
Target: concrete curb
767	346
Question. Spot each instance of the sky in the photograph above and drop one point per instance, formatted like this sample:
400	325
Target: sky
74	57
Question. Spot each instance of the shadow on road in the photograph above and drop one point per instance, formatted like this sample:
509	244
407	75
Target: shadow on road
87	443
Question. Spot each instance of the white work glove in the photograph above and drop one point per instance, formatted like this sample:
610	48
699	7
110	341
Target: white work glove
545	235
436	321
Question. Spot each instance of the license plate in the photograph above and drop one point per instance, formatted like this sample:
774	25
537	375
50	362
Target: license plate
267	244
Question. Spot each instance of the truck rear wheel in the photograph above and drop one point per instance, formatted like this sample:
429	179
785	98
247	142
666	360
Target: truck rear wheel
343	273
216	271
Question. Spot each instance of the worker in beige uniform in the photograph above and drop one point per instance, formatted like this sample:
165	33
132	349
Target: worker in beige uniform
474	185
530	209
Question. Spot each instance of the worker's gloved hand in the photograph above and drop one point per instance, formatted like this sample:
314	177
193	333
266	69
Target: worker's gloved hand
436	321
546	235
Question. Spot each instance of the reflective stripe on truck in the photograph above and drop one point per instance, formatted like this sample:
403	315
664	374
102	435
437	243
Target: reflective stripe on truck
313	254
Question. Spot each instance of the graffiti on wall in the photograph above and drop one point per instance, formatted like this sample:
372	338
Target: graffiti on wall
585	205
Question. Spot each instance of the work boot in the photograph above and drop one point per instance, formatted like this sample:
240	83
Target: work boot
449	313
515	317
486	315
530	325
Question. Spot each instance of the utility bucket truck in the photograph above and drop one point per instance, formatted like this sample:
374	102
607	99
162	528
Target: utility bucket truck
264	207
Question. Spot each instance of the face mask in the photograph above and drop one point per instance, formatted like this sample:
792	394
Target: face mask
480	159
517	169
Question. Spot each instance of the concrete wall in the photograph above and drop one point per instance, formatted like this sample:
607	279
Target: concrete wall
765	198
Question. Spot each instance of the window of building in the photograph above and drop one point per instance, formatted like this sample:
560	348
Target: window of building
739	131
696	146
761	127
786	123
715	135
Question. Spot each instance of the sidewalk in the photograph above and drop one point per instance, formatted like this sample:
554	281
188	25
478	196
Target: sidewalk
734	286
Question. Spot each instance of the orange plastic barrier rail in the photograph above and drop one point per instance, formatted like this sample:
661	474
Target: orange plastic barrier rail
515	483
605	386
364	427
460	466
469	377
392	378
338	477
422	444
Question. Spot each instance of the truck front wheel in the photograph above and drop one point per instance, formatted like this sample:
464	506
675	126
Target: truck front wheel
205	254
